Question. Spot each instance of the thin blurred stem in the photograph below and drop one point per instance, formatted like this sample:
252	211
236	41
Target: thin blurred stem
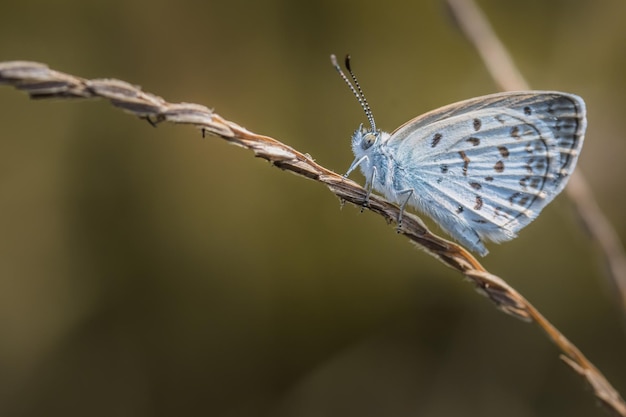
496	58
500	65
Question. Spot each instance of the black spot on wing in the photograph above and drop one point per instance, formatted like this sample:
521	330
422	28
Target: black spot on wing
436	139
479	203
466	161
474	141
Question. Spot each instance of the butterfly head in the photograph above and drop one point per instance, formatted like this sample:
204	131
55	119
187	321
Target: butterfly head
363	139
366	145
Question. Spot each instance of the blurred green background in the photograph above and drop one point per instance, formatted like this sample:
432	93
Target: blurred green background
149	272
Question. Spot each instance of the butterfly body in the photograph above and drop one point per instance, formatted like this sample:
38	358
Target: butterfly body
482	168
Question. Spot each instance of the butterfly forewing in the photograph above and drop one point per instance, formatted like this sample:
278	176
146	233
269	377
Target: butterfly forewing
486	167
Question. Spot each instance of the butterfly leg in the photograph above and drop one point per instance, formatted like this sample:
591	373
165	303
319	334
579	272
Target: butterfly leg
368	181
409	192
369	184
355	163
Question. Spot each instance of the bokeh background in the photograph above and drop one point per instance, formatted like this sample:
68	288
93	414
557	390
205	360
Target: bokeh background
149	272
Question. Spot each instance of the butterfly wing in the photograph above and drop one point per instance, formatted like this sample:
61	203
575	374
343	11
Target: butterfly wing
484	168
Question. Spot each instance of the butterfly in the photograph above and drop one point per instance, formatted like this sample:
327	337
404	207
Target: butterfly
482	168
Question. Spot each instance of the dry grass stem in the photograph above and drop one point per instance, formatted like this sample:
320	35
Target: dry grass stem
41	82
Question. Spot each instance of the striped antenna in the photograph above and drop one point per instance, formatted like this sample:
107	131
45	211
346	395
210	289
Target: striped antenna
358	92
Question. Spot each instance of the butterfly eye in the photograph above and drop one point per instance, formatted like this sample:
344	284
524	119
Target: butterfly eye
368	140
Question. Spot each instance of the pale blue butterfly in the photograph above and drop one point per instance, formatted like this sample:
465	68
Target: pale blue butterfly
482	168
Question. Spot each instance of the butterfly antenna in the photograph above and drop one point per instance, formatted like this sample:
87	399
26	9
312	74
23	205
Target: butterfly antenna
358	92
